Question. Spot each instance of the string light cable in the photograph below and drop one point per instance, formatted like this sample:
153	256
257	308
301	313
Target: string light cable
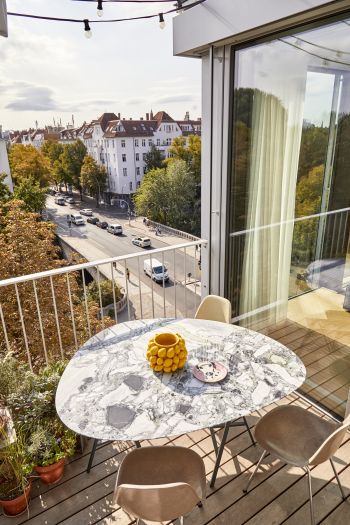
325	59
180	5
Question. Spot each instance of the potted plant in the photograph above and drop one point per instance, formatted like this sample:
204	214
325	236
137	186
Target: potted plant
49	445
15	470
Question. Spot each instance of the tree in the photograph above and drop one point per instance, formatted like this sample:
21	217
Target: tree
4	189
33	197
153	159
28	162
93	177
53	151
72	160
168	196
28	245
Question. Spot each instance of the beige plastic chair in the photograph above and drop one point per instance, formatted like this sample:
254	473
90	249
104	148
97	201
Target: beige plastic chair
300	438
160	483
215	308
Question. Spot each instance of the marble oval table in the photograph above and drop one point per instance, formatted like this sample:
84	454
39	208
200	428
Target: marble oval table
109	392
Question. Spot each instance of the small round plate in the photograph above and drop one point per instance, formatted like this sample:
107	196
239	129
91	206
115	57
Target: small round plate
209	371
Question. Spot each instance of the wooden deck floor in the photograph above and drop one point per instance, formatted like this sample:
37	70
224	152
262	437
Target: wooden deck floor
278	495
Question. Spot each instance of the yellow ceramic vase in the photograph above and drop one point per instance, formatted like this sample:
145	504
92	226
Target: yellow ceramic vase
166	352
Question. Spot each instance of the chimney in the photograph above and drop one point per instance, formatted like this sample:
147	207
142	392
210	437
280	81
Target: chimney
118	116
141	118
130	118
147	116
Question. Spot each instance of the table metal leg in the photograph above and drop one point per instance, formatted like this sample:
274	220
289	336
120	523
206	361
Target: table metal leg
137	444
219	455
213	438
249	431
92	454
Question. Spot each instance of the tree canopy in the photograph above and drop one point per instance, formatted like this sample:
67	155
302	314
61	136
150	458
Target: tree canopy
32	195
153	159
72	160
4	189
93	177
27	162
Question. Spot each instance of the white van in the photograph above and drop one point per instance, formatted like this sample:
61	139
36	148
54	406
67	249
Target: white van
59	200
77	219
115	229
155	270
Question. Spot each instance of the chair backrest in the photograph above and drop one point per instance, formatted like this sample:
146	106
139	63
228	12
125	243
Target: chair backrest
215	308
333	442
157	502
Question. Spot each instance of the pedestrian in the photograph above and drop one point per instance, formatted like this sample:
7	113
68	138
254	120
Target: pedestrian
144	220
128	274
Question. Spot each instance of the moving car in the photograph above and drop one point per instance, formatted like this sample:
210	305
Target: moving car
59	200
143	242
77	219
70	200
86	211
101	224
155	270
92	220
115	229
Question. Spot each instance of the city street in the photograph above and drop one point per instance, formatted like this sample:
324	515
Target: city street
94	243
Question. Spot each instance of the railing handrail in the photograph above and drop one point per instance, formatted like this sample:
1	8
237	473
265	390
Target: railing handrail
91	264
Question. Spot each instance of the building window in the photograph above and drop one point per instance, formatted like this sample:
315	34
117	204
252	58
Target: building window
150	142
143	142
123	143
130	186
136	143
113	143
123	157
158	142
114	157
138	171
137	156
144	155
138	184
125	172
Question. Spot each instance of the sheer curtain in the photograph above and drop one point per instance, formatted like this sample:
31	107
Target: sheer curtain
275	144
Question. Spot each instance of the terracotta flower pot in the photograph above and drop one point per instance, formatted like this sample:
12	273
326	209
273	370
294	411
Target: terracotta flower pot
51	473
13	507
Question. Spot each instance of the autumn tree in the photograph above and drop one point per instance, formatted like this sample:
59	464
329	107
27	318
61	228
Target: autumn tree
93	178
72	160
27	162
28	246
53	151
4	189
153	159
31	194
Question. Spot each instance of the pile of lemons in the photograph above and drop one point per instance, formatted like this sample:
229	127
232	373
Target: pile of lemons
167	358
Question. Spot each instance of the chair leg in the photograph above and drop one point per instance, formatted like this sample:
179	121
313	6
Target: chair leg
200	504
92	454
255	471
310	496
249	431
337	478
219	456
137	444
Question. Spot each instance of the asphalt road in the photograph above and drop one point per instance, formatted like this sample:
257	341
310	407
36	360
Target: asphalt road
119	245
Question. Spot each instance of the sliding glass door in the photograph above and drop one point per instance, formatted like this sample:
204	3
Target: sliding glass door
289	200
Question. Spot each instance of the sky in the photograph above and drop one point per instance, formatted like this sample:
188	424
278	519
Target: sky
49	70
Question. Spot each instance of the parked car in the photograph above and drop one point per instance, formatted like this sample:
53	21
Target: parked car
70	200
77	219
59	200
115	229
86	211
155	270
101	224
143	242
92	220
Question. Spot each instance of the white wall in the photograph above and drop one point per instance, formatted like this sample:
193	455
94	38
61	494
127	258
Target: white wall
216	20
4	164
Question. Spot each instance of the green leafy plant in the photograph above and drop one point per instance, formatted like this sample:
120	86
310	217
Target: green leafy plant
15	467
106	292
48	444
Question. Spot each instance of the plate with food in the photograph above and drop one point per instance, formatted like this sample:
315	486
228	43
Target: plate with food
209	371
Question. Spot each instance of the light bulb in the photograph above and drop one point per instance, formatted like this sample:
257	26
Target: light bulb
161	21
99	8
87	29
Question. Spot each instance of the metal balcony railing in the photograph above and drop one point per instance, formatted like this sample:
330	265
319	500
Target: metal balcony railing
48	315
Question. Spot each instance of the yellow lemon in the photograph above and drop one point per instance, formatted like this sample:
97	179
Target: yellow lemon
153	359
167	363
160	361
182	355
177	349
182	363
158	368
174	368
167	370
152	365
176	360
162	352
154	350
170	353
148	354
